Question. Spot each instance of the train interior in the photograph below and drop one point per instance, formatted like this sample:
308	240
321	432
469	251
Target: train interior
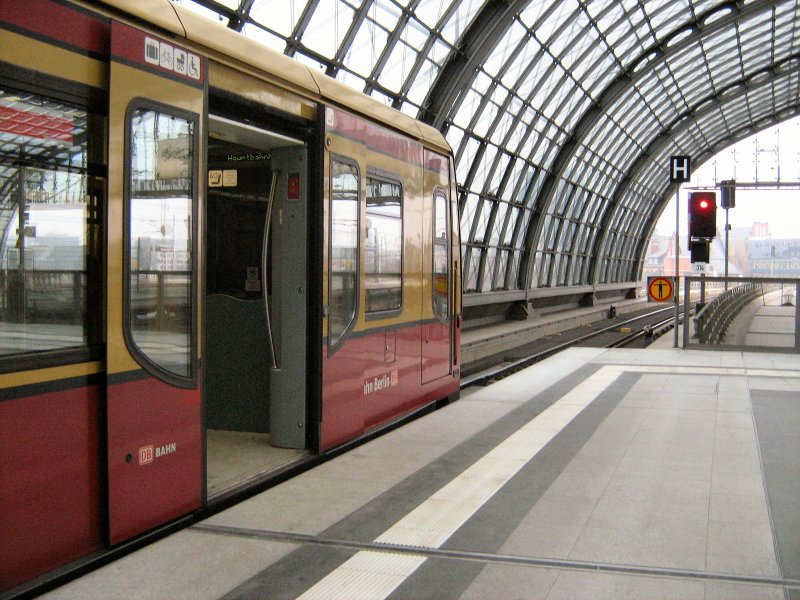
254	379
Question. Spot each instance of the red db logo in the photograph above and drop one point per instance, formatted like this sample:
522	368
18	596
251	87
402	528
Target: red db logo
146	455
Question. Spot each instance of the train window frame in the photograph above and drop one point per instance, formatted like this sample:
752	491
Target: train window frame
189	381
335	344
390	178
92	104
441	315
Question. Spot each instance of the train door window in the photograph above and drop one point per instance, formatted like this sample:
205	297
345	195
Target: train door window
48	204
160	241
342	287
383	249
441	245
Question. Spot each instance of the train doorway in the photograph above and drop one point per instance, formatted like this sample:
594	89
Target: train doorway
255	304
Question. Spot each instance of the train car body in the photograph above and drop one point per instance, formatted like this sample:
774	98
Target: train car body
215	265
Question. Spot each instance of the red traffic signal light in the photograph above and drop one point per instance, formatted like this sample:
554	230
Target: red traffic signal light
702	215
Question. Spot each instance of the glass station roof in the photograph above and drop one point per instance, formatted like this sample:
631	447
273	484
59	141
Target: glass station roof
562	114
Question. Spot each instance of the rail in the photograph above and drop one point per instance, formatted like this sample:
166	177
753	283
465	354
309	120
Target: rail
771	324
499	371
712	321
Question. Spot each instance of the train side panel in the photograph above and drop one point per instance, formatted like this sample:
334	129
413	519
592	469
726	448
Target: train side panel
50	474
52	386
389	361
154	414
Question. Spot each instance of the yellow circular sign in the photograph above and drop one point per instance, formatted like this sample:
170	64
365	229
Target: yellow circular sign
660	289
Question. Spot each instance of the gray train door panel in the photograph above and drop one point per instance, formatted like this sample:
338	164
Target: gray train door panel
288	243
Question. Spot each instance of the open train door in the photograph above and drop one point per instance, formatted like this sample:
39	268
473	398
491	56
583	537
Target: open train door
154	411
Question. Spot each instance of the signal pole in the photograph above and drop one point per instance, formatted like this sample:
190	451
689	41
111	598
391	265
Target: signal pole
679	171
728	189
677	260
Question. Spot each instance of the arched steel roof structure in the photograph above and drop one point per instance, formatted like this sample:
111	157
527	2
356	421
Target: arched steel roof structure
562	114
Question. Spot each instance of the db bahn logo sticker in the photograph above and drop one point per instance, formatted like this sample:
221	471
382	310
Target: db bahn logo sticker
146	455
660	289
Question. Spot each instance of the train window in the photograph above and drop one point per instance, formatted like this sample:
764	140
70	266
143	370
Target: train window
342	286
384	246
441	245
47	238
159	244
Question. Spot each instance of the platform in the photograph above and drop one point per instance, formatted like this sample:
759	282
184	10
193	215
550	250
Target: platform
596	473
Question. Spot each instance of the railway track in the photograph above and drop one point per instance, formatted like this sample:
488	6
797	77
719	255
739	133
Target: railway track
619	334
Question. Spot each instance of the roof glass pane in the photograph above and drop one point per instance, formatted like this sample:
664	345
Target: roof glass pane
576	36
520	130
426	76
661	95
201	10
485	120
461	18
469	211
702	6
752	32
506	122
313	63
606	14
464	160
328	26
520	61
491	256
484	165
630	35
498	174
574	109
367	47
454	136
482	82
505	49
398	66
469	107
520	172
280	16
415	34
666	15
560	12
508	234
482	220
423	82
430	12
537	68
534	11
499	222
785	33
385	13
357	83
597	64
722	54
557	81
264	37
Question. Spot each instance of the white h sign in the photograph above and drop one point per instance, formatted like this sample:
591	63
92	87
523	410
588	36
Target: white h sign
679	169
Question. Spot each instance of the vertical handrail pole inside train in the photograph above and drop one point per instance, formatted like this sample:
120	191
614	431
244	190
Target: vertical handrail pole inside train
264	258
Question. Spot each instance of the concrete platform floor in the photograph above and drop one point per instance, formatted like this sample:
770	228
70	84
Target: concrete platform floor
597	473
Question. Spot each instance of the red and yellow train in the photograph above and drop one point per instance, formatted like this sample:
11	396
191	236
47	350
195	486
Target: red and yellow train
215	265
